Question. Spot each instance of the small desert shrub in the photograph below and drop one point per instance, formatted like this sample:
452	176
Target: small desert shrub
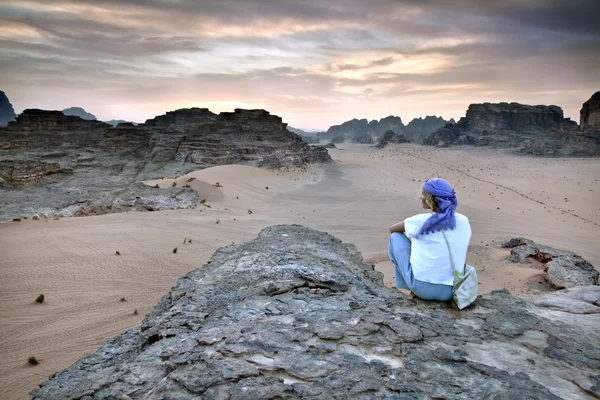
218	221
135	312
32	360
174	184
16	219
217	184
24	217
175	250
191	179
249	211
186	186
117	253
156	186
123	299
189	240
266	187
184	240
202	201
40	299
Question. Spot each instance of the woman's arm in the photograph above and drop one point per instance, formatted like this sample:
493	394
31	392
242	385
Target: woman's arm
399	227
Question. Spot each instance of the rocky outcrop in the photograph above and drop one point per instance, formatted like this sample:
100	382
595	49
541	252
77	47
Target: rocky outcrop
364	139
563	269
539	130
310	139
391	137
419	128
91	159
7	113
352	129
79	112
296	314
337	139
590	114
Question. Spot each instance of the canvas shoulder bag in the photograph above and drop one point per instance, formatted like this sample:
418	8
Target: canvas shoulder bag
464	290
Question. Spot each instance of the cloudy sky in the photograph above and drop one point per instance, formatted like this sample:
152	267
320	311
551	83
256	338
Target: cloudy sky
314	63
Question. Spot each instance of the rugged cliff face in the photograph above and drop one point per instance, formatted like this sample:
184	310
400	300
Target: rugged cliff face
81	160
539	130
296	314
7	113
420	128
590	114
350	130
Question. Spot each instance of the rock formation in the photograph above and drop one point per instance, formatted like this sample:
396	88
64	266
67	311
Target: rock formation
364	139
115	122
296	314
391	137
419	128
539	130
563	269
337	139
352	129
79	112
51	162
7	113
590	114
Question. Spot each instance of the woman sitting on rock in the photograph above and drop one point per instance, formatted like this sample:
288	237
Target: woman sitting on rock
418	248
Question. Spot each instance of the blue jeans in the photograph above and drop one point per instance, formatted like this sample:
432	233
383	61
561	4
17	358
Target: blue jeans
399	252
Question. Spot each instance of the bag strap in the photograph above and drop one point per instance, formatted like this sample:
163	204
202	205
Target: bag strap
450	252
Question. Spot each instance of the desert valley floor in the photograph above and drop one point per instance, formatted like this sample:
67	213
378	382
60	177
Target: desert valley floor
92	293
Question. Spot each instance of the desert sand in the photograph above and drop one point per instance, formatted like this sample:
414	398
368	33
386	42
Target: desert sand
92	293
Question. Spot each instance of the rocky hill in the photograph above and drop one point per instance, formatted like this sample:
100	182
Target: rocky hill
590	114
297	314
52	164
420	128
350	130
391	137
539	130
7	113
79	112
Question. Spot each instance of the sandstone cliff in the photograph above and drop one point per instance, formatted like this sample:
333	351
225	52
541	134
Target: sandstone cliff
296	314
352	129
539	130
419	128
7	113
590	114
54	164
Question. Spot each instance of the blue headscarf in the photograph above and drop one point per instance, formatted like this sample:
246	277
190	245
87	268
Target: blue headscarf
446	199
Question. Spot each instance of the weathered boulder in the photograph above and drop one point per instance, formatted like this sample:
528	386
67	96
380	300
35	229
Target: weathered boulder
79	112
102	161
420	128
364	139
7	113
296	314
564	269
330	145
590	114
391	137
538	130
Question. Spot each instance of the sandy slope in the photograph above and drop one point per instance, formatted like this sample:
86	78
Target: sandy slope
73	261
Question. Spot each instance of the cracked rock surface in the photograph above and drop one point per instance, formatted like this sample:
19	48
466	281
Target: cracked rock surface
296	314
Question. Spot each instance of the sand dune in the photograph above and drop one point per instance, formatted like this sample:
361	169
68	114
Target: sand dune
73	261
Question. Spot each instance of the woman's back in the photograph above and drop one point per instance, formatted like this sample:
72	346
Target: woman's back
429	257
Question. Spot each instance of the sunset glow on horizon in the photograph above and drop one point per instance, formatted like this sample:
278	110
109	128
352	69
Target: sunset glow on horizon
313	63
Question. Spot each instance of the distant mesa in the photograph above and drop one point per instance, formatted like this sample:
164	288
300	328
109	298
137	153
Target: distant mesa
95	168
364	139
590	114
115	122
538	130
79	112
419	128
7	113
415	131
